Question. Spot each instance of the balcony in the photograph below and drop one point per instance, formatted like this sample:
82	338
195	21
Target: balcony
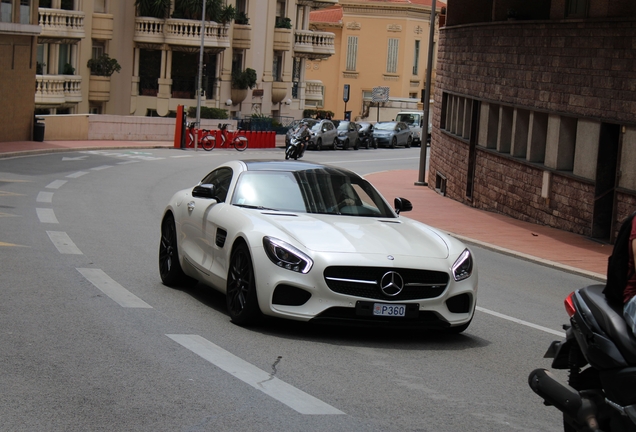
55	90
282	39
317	4
102	26
242	36
314	45
60	24
182	33
314	93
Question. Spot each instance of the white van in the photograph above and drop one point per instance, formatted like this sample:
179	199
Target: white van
414	120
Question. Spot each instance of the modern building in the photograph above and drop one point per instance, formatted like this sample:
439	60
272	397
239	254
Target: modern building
377	44
18	41
159	51
535	111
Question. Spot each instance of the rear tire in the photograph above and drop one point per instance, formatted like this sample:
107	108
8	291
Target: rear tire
393	142
208	142
240	143
408	142
170	270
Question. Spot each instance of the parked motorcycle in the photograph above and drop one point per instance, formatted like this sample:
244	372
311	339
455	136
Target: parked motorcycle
295	150
599	350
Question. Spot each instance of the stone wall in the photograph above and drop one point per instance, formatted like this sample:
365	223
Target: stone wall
582	69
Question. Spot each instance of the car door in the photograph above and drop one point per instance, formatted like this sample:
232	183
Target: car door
403	132
202	222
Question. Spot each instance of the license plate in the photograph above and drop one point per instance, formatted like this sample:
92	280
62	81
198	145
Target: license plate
382	309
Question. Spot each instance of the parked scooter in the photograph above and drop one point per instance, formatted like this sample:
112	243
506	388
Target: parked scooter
599	351
296	147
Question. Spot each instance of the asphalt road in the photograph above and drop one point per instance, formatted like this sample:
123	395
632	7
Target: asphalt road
91	340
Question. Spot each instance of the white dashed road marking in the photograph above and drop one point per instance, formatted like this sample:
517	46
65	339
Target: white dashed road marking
46	215
45	197
56	184
77	174
63	243
518	321
112	289
255	377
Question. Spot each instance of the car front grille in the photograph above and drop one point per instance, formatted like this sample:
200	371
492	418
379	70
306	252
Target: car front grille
365	282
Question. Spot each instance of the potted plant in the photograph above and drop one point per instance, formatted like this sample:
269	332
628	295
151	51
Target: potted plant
283	22
102	68
103	65
241	18
241	81
152	8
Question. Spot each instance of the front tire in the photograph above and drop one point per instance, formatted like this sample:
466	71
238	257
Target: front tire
170	270
393	142
319	144
241	299
208	142
240	143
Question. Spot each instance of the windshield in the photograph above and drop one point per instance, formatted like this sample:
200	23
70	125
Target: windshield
409	119
311	191
384	126
343	126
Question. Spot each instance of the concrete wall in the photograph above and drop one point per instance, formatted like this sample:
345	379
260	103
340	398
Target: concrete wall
112	127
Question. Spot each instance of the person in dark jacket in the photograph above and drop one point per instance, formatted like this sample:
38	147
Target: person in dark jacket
629	294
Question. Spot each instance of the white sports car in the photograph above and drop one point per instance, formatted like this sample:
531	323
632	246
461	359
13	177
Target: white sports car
310	242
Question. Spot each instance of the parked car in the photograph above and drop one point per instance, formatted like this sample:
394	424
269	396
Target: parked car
347	135
323	134
294	126
392	134
345	256
414	120
365	135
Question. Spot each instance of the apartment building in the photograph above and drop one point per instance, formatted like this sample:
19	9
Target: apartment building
158	52
18	41
535	111
378	44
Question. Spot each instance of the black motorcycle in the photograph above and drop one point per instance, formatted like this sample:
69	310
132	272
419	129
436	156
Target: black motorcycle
599	351
296	147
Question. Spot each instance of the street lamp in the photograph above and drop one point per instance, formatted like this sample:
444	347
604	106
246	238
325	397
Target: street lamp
200	83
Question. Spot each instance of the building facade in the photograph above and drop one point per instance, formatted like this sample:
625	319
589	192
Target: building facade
159	56
535	111
378	44
18	42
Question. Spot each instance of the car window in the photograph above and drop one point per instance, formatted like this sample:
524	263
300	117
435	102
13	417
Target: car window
221	179
311	191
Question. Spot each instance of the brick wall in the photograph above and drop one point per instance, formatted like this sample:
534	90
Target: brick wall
582	69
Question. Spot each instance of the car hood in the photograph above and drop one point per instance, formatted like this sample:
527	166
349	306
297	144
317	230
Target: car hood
347	234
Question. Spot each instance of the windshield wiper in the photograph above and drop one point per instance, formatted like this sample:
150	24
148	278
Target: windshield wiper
255	207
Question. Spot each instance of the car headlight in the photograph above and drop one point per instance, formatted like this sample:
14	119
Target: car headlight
463	267
286	256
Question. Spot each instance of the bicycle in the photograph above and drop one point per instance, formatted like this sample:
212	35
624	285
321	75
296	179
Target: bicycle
190	127
208	142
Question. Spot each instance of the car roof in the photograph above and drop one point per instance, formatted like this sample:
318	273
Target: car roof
293	166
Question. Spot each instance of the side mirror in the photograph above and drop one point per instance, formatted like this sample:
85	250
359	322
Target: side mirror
204	191
402	205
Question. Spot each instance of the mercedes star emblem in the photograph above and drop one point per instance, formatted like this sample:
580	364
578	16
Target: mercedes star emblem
391	284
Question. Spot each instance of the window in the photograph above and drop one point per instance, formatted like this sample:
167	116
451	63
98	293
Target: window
5	11
352	52
416	58
281	8
241	6
99	6
392	56
237	61
64	63
576	8
221	179
25	12
98	49
277	69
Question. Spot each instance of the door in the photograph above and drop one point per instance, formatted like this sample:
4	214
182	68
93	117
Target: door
606	181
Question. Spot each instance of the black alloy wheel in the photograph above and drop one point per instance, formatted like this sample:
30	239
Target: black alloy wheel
241	299
393	142
319	144
170	270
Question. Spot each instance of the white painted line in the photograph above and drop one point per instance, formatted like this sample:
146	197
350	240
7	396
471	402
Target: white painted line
63	243
56	184
257	378
77	174
518	321
180	157
112	289
128	162
103	167
45	197
46	215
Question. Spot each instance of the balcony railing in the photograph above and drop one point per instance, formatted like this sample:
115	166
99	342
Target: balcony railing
314	93
61	24
57	89
181	32
313	44
317	4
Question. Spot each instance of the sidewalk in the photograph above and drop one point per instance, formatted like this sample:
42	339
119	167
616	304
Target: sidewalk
536	243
